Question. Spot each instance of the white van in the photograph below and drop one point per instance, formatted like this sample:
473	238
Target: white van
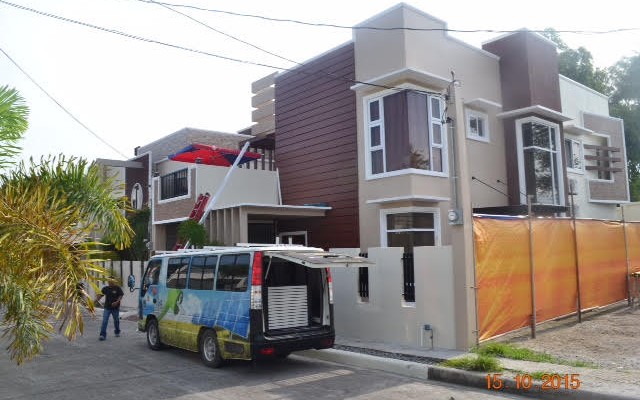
244	302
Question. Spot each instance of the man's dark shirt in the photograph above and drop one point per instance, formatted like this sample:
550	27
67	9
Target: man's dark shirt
111	294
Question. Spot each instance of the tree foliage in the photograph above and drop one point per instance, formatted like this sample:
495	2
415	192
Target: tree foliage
139	222
13	123
621	82
48	212
192	232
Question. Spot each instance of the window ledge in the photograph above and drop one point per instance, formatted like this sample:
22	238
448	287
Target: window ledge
483	104
409	171
479	138
172	199
434	199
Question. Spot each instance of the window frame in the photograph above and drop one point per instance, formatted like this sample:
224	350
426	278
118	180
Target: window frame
469	113
368	125
175	198
559	157
570	167
437	229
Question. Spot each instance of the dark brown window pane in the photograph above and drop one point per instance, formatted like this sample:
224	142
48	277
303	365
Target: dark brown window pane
409	240
374	111
437	159
375	136
410	221
377	162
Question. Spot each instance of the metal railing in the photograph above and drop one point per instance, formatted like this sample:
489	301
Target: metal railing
408	275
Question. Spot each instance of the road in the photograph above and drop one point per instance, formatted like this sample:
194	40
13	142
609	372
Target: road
124	368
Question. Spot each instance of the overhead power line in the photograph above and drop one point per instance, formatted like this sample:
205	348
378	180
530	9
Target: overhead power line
379	28
61	106
206	53
221	32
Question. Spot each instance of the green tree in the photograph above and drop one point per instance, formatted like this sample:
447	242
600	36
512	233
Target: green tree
48	211
13	123
194	233
577	64
139	222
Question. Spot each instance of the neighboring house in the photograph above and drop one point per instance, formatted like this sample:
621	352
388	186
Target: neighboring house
248	209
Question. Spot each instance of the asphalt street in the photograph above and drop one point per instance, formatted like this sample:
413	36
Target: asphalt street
125	368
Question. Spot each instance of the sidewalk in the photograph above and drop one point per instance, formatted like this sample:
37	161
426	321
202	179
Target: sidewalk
421	363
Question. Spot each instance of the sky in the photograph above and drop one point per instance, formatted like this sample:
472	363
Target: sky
130	92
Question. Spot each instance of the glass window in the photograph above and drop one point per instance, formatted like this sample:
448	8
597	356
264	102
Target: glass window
405	130
410	229
202	272
151	275
174	184
177	272
233	273
540	163
477	126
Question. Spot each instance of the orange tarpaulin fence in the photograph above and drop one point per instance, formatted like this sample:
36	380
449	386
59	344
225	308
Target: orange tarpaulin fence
504	270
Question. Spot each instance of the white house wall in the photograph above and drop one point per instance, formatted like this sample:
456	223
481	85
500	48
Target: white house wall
385	317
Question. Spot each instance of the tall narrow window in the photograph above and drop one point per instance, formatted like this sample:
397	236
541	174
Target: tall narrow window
573	155
540	162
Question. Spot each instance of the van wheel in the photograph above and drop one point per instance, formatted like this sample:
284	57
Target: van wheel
153	335
209	349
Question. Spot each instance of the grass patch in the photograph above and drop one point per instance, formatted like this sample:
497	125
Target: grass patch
480	363
506	350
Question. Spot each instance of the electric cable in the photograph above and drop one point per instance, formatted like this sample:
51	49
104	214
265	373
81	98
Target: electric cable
60	105
378	28
206	53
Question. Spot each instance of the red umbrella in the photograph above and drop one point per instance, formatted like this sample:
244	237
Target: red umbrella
212	155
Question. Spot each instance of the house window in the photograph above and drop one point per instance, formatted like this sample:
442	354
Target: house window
539	161
477	126
410	227
404	131
573	155
602	161
174	184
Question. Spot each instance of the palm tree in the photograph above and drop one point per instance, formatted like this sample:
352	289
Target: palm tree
13	123
48	210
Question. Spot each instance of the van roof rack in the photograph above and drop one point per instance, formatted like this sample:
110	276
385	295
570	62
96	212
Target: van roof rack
268	245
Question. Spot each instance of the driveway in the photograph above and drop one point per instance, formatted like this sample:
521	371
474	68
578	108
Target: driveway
124	368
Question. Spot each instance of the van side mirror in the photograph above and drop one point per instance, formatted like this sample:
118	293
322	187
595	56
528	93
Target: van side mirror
131	282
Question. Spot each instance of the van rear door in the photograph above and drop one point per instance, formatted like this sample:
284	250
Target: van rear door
321	259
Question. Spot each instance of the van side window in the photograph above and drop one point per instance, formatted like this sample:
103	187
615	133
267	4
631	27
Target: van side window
177	272
233	272
202	272
151	275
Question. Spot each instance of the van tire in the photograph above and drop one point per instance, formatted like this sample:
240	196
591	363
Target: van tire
210	350
153	335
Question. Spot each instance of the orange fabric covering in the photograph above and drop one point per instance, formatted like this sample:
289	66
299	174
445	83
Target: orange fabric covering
503	269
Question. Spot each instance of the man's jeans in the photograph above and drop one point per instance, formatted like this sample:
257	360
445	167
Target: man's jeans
105	321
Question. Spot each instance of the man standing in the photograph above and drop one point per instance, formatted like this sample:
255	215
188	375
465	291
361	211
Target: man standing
113	295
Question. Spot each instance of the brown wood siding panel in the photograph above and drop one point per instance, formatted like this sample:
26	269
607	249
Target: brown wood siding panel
138	175
316	147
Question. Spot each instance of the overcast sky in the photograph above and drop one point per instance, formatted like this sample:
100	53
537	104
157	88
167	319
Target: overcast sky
130	92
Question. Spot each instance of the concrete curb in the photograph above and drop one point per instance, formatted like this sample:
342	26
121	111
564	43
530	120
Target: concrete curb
476	380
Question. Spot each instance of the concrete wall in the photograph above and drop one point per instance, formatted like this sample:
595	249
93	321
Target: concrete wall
577	98
385	317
